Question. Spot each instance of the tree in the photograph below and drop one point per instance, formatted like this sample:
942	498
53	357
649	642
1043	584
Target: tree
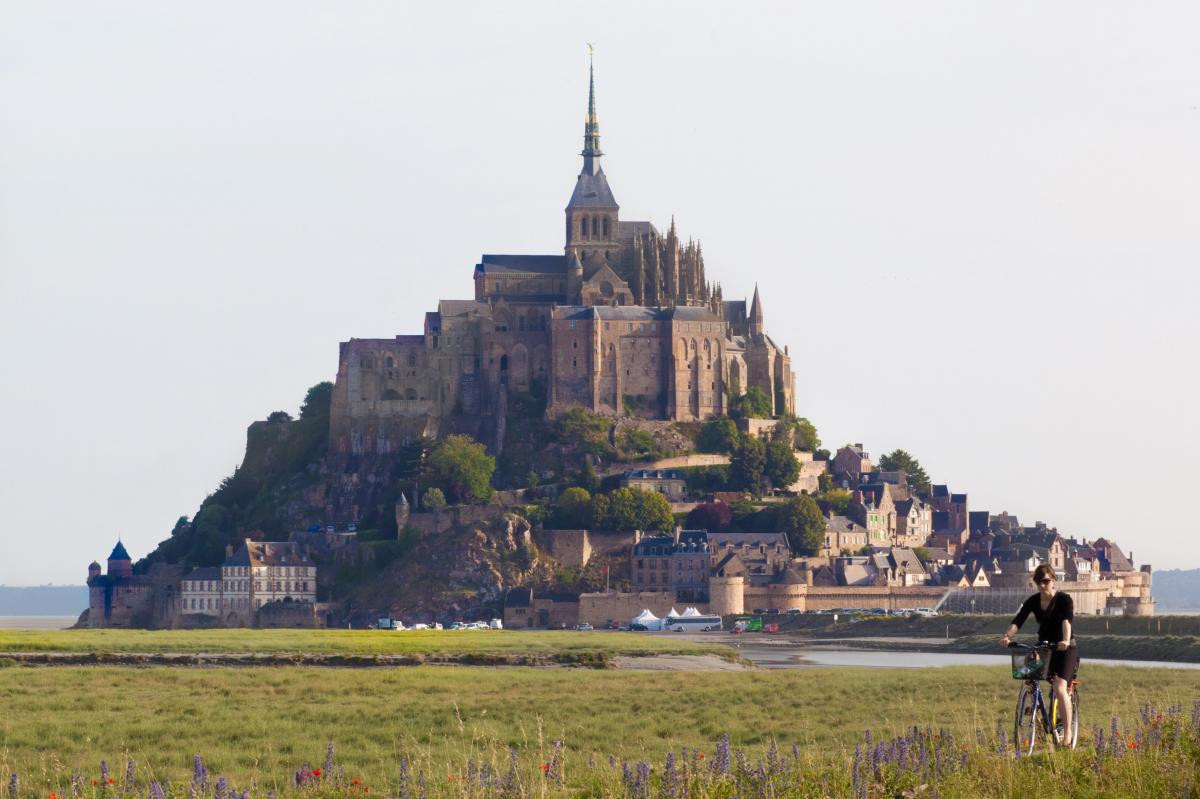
588	479
747	464
433	498
804	524
712	516
573	509
463	469
718	435
899	459
754	404
317	400
781	466
806	436
632	508
279	416
838	500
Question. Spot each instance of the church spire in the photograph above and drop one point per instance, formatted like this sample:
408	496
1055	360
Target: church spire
591	128
757	325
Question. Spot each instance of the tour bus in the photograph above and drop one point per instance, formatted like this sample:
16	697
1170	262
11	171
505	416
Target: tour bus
679	624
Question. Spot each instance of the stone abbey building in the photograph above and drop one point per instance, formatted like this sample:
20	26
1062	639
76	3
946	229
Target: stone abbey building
623	322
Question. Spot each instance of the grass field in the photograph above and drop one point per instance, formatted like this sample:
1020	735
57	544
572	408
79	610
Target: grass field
565	645
257	726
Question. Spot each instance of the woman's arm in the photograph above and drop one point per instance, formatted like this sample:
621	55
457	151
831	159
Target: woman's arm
1066	639
1018	620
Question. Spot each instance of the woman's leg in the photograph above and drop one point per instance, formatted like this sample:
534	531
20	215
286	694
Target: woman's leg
1064	708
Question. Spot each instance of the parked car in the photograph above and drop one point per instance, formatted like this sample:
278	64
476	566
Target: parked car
925	612
794	611
584	627
641	628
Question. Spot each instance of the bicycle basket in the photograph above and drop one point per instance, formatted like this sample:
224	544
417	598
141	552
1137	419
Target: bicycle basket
1030	664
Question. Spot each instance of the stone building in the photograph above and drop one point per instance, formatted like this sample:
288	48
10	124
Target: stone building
679	564
668	482
119	598
259	574
625	321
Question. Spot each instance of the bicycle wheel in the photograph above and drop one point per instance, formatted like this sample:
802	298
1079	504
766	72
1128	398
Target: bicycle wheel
1025	721
1057	721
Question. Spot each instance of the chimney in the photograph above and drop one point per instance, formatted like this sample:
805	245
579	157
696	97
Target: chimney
678	531
228	551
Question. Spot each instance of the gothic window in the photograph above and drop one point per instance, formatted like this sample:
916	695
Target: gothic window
583	227
521	323
606	234
595	227
390	362
412	359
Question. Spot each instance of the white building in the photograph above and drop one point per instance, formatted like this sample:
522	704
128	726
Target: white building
259	572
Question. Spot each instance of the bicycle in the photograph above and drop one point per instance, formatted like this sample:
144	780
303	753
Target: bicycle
1030	665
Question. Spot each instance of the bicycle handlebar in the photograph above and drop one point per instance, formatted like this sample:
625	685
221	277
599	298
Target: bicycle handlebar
1038	645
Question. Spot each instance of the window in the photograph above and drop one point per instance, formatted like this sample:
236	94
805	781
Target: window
571	325
595	227
606	234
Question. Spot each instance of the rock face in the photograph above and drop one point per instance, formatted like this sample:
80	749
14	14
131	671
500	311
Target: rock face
455	572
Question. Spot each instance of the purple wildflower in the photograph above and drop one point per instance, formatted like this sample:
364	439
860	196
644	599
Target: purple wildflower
130	773
721	763
12	786
199	773
855	769
421	785
222	791
404	790
245	793
643	779
271	794
612	761
156	791
592	760
554	771
103	772
796	753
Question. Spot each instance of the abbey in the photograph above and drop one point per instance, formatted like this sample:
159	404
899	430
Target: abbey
624	322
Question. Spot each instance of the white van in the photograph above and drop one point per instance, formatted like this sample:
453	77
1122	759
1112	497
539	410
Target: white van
928	613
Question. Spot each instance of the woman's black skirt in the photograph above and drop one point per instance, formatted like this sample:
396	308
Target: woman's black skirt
1064	664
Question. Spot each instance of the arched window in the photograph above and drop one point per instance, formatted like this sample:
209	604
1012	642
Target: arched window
390	362
583	227
606	234
595	227
412	359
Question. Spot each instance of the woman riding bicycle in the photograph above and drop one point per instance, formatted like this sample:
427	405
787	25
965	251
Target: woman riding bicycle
1054	611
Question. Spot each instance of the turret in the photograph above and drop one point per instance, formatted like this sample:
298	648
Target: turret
93	570
119	562
757	326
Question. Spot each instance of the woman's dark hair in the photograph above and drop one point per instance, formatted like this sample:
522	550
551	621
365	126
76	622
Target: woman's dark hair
1043	572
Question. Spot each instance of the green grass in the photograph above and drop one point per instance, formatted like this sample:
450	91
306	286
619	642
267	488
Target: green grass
566	645
257	726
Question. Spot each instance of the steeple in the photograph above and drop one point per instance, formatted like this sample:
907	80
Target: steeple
757	326
592	212
591	127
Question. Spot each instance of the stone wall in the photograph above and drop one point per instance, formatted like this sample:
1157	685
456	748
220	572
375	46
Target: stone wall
442	519
576	548
288	614
600	608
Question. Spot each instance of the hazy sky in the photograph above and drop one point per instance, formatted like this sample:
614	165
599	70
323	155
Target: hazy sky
976	225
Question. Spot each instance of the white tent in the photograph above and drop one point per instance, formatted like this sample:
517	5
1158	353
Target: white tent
690	612
672	614
648	620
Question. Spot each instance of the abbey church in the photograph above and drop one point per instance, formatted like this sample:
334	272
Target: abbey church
623	322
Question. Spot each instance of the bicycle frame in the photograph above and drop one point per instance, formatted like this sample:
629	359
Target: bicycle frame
1032	708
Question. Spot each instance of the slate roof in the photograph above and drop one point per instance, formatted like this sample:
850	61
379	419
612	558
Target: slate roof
204	573
268	553
627	230
654	474
514	264
748	539
940	490
842	524
592	191
119	553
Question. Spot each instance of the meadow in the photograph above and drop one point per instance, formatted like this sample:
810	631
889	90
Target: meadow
486	645
492	732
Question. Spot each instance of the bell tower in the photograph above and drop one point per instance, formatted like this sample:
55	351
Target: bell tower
592	210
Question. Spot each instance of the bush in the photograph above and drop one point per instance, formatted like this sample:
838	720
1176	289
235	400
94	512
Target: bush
712	516
632	508
573	509
754	404
463	469
718	435
781	466
433	498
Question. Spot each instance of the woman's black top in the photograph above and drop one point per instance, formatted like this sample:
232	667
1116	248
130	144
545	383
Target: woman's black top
1060	609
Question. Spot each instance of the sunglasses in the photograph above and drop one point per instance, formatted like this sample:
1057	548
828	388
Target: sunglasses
1047	581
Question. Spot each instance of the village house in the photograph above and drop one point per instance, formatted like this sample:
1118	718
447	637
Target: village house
668	482
849	464
763	556
874	507
678	563
843	535
525	608
914	523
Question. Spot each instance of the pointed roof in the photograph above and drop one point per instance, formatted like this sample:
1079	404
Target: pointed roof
756	311
591	187
119	552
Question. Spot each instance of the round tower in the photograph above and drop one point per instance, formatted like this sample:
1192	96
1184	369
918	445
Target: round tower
93	570
726	595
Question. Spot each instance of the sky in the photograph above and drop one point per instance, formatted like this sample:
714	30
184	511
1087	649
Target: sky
975	225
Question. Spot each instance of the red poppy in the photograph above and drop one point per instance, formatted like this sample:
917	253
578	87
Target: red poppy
53	796
1133	744
110	780
316	772
545	767
95	783
366	789
356	781
701	755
